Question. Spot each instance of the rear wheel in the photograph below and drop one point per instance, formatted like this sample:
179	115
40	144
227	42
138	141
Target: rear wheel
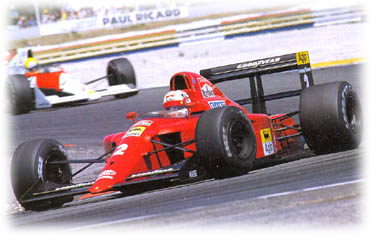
20	94
330	117
226	142
30	167
120	71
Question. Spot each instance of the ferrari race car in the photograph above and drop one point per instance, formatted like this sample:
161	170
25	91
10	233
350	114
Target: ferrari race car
50	85
200	134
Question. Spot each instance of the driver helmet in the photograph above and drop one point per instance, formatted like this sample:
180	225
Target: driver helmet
175	100
31	63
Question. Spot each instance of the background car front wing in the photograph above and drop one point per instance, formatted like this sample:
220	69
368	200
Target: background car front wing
43	101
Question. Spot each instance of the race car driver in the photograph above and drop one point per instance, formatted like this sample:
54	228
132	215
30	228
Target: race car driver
32	66
174	103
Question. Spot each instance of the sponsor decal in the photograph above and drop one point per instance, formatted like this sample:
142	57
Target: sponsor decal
107	174
207	91
257	63
150	173
267	144
135	131
302	58
193	174
201	80
170	97
144	123
217	104
175	96
81	185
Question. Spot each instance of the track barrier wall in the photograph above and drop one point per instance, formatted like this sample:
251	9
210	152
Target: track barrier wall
180	35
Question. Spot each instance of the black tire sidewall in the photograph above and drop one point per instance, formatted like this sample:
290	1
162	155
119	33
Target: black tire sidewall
233	159
215	146
29	165
324	120
120	71
20	94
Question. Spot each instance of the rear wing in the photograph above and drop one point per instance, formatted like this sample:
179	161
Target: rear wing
254	69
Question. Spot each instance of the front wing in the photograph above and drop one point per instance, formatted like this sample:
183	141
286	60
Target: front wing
185	171
43	101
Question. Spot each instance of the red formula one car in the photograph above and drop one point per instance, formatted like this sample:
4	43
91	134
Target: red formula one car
200	134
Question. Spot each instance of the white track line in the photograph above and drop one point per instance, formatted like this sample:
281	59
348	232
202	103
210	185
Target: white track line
309	189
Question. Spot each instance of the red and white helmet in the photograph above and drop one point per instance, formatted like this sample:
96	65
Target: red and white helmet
175	100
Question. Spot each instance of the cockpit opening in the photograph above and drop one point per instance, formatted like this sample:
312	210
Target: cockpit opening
179	82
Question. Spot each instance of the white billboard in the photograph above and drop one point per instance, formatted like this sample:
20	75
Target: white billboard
141	17
113	20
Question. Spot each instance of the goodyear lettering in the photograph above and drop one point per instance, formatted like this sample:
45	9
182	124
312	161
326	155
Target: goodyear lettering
257	63
216	104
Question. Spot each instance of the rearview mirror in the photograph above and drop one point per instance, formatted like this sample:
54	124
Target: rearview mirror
131	116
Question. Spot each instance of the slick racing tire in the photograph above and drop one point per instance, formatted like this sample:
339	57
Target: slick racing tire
20	94
121	71
30	168
225	142
330	117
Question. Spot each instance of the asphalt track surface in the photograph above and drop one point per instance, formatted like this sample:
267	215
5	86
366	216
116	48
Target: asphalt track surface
319	191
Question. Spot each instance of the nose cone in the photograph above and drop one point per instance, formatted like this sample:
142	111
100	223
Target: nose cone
121	164
104	182
100	186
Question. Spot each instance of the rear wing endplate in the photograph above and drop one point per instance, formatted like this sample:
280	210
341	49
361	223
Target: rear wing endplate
254	69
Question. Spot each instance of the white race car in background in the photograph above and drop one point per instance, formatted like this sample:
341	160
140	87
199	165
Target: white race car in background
49	86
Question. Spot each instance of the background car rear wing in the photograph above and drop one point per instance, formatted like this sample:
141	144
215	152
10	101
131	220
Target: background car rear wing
254	69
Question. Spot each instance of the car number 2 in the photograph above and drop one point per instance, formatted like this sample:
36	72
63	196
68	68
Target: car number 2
120	150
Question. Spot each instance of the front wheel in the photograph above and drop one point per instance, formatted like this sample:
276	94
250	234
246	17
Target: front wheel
30	167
